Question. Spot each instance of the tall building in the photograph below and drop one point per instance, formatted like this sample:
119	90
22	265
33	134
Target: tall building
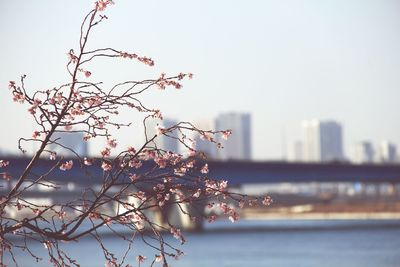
363	152
168	143
205	146
238	145
73	141
297	154
387	152
323	141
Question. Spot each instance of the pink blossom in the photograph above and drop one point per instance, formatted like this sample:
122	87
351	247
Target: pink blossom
87	161
35	134
161	162
141	258
133	177
102	4
135	163
234	217
106	166
141	195
267	201
226	134
177	234
87	73
131	150
6	176
205	170
67	165
68	127
19	97
160	130
11	85
53	156
4	163
111	143
105	152
212	218
197	194
158	258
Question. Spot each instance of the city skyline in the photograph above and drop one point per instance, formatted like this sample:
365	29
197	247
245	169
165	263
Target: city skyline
283	62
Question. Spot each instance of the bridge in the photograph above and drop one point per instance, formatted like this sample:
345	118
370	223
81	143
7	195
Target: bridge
239	172
235	172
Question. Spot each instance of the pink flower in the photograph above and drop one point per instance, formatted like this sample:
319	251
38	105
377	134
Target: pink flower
106	152
68	127
140	258
205	170
102	4
133	177
112	143
226	134
87	162
67	165
177	234
131	150
35	134
6	176
160	130
87	73
234	217
53	156
134	163
158	258
4	163
161	162
267	201
19	97
11	85
106	166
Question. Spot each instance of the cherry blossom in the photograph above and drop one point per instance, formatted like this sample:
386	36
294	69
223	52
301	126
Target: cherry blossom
67	165
106	166
140	259
4	163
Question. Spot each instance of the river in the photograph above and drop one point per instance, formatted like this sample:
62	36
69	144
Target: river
292	243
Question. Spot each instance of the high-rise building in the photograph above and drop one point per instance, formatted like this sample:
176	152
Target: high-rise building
170	142
323	141
298	151
363	152
387	152
69	143
205	146
238	145
167	143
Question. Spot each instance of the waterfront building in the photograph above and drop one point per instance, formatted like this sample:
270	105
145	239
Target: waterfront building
72	140
387	152
363	152
167	143
238	145
323	141
298	151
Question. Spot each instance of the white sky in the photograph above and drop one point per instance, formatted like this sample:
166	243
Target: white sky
282	61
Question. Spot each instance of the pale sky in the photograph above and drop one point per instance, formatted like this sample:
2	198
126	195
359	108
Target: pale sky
282	61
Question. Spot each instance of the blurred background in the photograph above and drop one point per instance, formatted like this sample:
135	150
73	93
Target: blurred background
310	90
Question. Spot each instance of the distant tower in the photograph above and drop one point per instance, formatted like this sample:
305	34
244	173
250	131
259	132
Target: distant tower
238	145
298	151
387	152
363	152
167	143
204	146
71	140
323	141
